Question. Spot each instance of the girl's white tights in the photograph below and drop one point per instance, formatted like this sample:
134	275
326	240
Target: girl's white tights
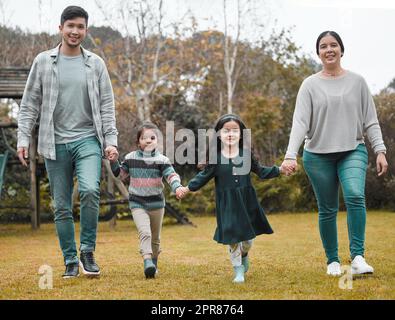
237	250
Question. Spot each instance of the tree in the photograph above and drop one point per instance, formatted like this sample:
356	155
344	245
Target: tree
380	190
5	17
19	48
230	56
391	86
145	63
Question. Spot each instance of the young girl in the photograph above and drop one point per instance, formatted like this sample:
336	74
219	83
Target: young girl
240	218
146	168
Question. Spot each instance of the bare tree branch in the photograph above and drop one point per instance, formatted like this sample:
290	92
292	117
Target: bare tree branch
231	72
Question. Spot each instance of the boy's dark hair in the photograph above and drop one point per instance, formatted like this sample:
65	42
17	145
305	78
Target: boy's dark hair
72	12
142	127
329	33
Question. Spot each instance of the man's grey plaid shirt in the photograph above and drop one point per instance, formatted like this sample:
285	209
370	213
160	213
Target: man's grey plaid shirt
40	97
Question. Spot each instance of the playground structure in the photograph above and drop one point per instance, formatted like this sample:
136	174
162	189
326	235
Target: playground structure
3	163
12	85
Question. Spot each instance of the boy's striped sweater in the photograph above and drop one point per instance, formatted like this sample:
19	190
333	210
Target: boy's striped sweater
146	171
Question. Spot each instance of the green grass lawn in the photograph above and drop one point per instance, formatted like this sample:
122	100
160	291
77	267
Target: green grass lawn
289	264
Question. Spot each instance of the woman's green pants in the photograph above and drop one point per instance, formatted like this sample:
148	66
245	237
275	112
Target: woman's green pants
326	172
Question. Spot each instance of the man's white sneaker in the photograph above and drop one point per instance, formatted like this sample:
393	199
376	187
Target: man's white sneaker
359	266
333	269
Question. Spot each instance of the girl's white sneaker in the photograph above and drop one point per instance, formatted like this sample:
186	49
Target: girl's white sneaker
333	269
359	266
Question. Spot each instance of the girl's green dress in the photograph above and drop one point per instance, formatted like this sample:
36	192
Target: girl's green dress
239	214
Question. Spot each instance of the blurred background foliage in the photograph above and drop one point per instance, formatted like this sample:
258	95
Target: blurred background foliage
180	77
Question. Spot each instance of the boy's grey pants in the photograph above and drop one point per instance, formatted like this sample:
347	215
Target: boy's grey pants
149	225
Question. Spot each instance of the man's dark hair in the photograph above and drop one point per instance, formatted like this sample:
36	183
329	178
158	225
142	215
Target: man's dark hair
329	33
72	12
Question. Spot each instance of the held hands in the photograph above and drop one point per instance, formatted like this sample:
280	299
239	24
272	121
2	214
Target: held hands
111	153
181	192
381	164
289	167
23	154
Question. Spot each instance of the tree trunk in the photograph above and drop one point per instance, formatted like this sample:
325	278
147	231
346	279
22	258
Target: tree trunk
221	103
140	108
118	183
230	96
147	108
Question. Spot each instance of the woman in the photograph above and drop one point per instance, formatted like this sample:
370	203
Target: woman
334	109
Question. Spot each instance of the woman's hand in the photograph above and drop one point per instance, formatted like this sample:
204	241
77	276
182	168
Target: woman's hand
381	164
289	166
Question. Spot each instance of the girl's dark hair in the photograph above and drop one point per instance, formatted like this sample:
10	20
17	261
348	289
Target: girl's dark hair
72	12
220	124
329	33
215	146
142	127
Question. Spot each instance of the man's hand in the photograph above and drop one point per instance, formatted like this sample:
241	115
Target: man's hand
23	154
111	153
381	164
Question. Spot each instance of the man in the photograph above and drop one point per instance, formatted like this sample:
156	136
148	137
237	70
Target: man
70	89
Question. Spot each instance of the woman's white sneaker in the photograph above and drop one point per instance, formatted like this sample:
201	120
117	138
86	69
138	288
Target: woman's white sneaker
359	266
333	269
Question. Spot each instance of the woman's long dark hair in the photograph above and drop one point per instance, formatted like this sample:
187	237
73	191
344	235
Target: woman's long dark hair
329	33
